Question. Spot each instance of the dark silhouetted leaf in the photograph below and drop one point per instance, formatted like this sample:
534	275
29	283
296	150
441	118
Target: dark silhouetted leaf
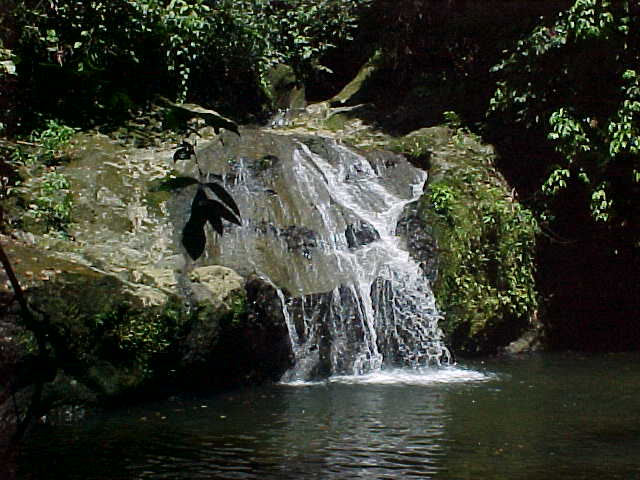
176	183
184	152
218	210
224	197
199	202
193	236
203	210
215	219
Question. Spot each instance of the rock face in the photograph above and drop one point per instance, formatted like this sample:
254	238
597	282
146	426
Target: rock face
238	334
421	241
125	309
319	221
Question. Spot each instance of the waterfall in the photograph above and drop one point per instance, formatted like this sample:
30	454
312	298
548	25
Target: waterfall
320	224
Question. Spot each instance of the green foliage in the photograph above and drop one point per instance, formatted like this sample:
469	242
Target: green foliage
452	119
124	337
46	147
45	192
417	149
108	53
138	337
576	79
51	142
486	245
298	32
238	313
51	202
443	200
7	65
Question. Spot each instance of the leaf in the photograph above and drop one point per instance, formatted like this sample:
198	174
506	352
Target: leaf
215	209
193	236
210	117
219	191
184	152
199	201
214	219
175	183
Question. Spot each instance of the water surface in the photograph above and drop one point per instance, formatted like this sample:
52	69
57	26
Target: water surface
560	416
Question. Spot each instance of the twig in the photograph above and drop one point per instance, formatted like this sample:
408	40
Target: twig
17	289
30	322
7	143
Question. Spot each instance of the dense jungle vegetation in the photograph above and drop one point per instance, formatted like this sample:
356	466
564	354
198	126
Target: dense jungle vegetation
554	86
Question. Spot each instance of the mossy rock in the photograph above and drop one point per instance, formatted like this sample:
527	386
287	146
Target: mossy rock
483	238
99	331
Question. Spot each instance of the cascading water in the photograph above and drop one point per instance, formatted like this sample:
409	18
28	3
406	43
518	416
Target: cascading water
320	224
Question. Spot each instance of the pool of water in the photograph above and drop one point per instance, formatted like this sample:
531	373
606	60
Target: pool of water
551	416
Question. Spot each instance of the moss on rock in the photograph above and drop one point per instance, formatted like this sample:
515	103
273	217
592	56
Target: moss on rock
484	239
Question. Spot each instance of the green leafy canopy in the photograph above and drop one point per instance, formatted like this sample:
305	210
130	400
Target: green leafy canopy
577	78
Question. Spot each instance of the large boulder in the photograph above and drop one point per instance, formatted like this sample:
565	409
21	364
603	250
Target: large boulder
124	308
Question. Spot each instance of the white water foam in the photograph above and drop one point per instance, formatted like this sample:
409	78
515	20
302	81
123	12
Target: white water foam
425	376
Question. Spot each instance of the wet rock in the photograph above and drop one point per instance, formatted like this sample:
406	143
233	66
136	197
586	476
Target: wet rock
85	316
266	351
313	309
532	340
239	338
421	242
215	284
359	234
286	92
215	292
299	239
315	317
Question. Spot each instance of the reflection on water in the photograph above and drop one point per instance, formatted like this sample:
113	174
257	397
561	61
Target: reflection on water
541	417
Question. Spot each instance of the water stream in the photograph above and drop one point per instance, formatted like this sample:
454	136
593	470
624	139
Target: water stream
320	225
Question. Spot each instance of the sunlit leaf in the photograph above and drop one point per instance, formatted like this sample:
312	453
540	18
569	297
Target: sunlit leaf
175	183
